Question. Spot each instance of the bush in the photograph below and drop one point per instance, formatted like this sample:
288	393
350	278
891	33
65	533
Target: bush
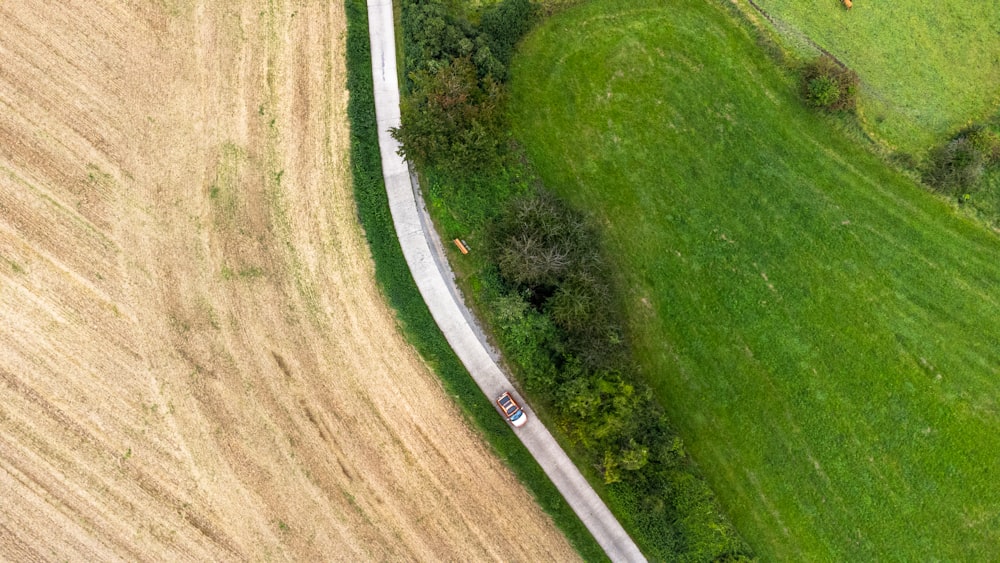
986	140
504	24
538	241
549	251
829	85
954	167
823	91
532	340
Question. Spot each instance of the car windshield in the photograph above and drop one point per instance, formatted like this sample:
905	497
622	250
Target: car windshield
517	415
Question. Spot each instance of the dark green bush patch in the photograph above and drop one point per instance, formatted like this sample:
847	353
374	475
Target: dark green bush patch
504	24
550	253
955	168
452	119
433	36
829	85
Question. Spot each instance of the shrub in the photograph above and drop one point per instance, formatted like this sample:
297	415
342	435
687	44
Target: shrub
823	91
829	85
579	300
538	241
546	249
531	340
986	140
504	24
954	167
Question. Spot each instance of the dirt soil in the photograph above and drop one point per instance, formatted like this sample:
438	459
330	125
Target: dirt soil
195	363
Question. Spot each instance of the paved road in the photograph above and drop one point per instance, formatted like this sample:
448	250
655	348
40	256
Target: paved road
431	276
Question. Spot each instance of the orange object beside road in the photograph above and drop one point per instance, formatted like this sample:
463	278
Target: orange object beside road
461	246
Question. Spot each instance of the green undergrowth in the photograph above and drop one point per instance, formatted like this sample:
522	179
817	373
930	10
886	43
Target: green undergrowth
394	278
820	328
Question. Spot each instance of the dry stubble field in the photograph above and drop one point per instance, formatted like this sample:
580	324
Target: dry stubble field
195	363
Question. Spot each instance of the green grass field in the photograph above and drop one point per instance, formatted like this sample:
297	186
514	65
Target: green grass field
824	333
927	68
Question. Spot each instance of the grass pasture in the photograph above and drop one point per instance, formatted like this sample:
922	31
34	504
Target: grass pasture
927	69
822	331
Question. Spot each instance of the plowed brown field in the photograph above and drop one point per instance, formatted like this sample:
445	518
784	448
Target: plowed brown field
195	363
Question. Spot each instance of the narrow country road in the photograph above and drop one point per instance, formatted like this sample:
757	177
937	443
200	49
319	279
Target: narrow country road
415	239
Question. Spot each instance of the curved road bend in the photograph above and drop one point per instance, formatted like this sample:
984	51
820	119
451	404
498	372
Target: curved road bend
448	313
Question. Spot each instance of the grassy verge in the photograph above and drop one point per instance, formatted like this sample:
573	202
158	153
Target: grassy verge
393	275
821	329
928	70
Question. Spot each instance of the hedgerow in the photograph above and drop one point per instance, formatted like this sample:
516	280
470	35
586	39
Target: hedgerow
544	288
393	276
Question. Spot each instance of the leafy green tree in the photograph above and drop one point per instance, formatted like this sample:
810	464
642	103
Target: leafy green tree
452	120
434	36
544	247
579	301
538	241
531	337
579	399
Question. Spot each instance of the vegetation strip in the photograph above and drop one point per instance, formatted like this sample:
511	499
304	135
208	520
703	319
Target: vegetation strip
542	283
416	240
394	277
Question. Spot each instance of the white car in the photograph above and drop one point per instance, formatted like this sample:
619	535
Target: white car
511	410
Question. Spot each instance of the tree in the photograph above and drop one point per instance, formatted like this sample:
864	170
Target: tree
544	247
504	24
452	120
538	241
434	36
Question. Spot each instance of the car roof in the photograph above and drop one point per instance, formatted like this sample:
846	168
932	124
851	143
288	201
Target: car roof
507	403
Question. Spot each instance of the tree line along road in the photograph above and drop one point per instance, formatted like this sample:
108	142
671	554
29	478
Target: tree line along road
416	237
